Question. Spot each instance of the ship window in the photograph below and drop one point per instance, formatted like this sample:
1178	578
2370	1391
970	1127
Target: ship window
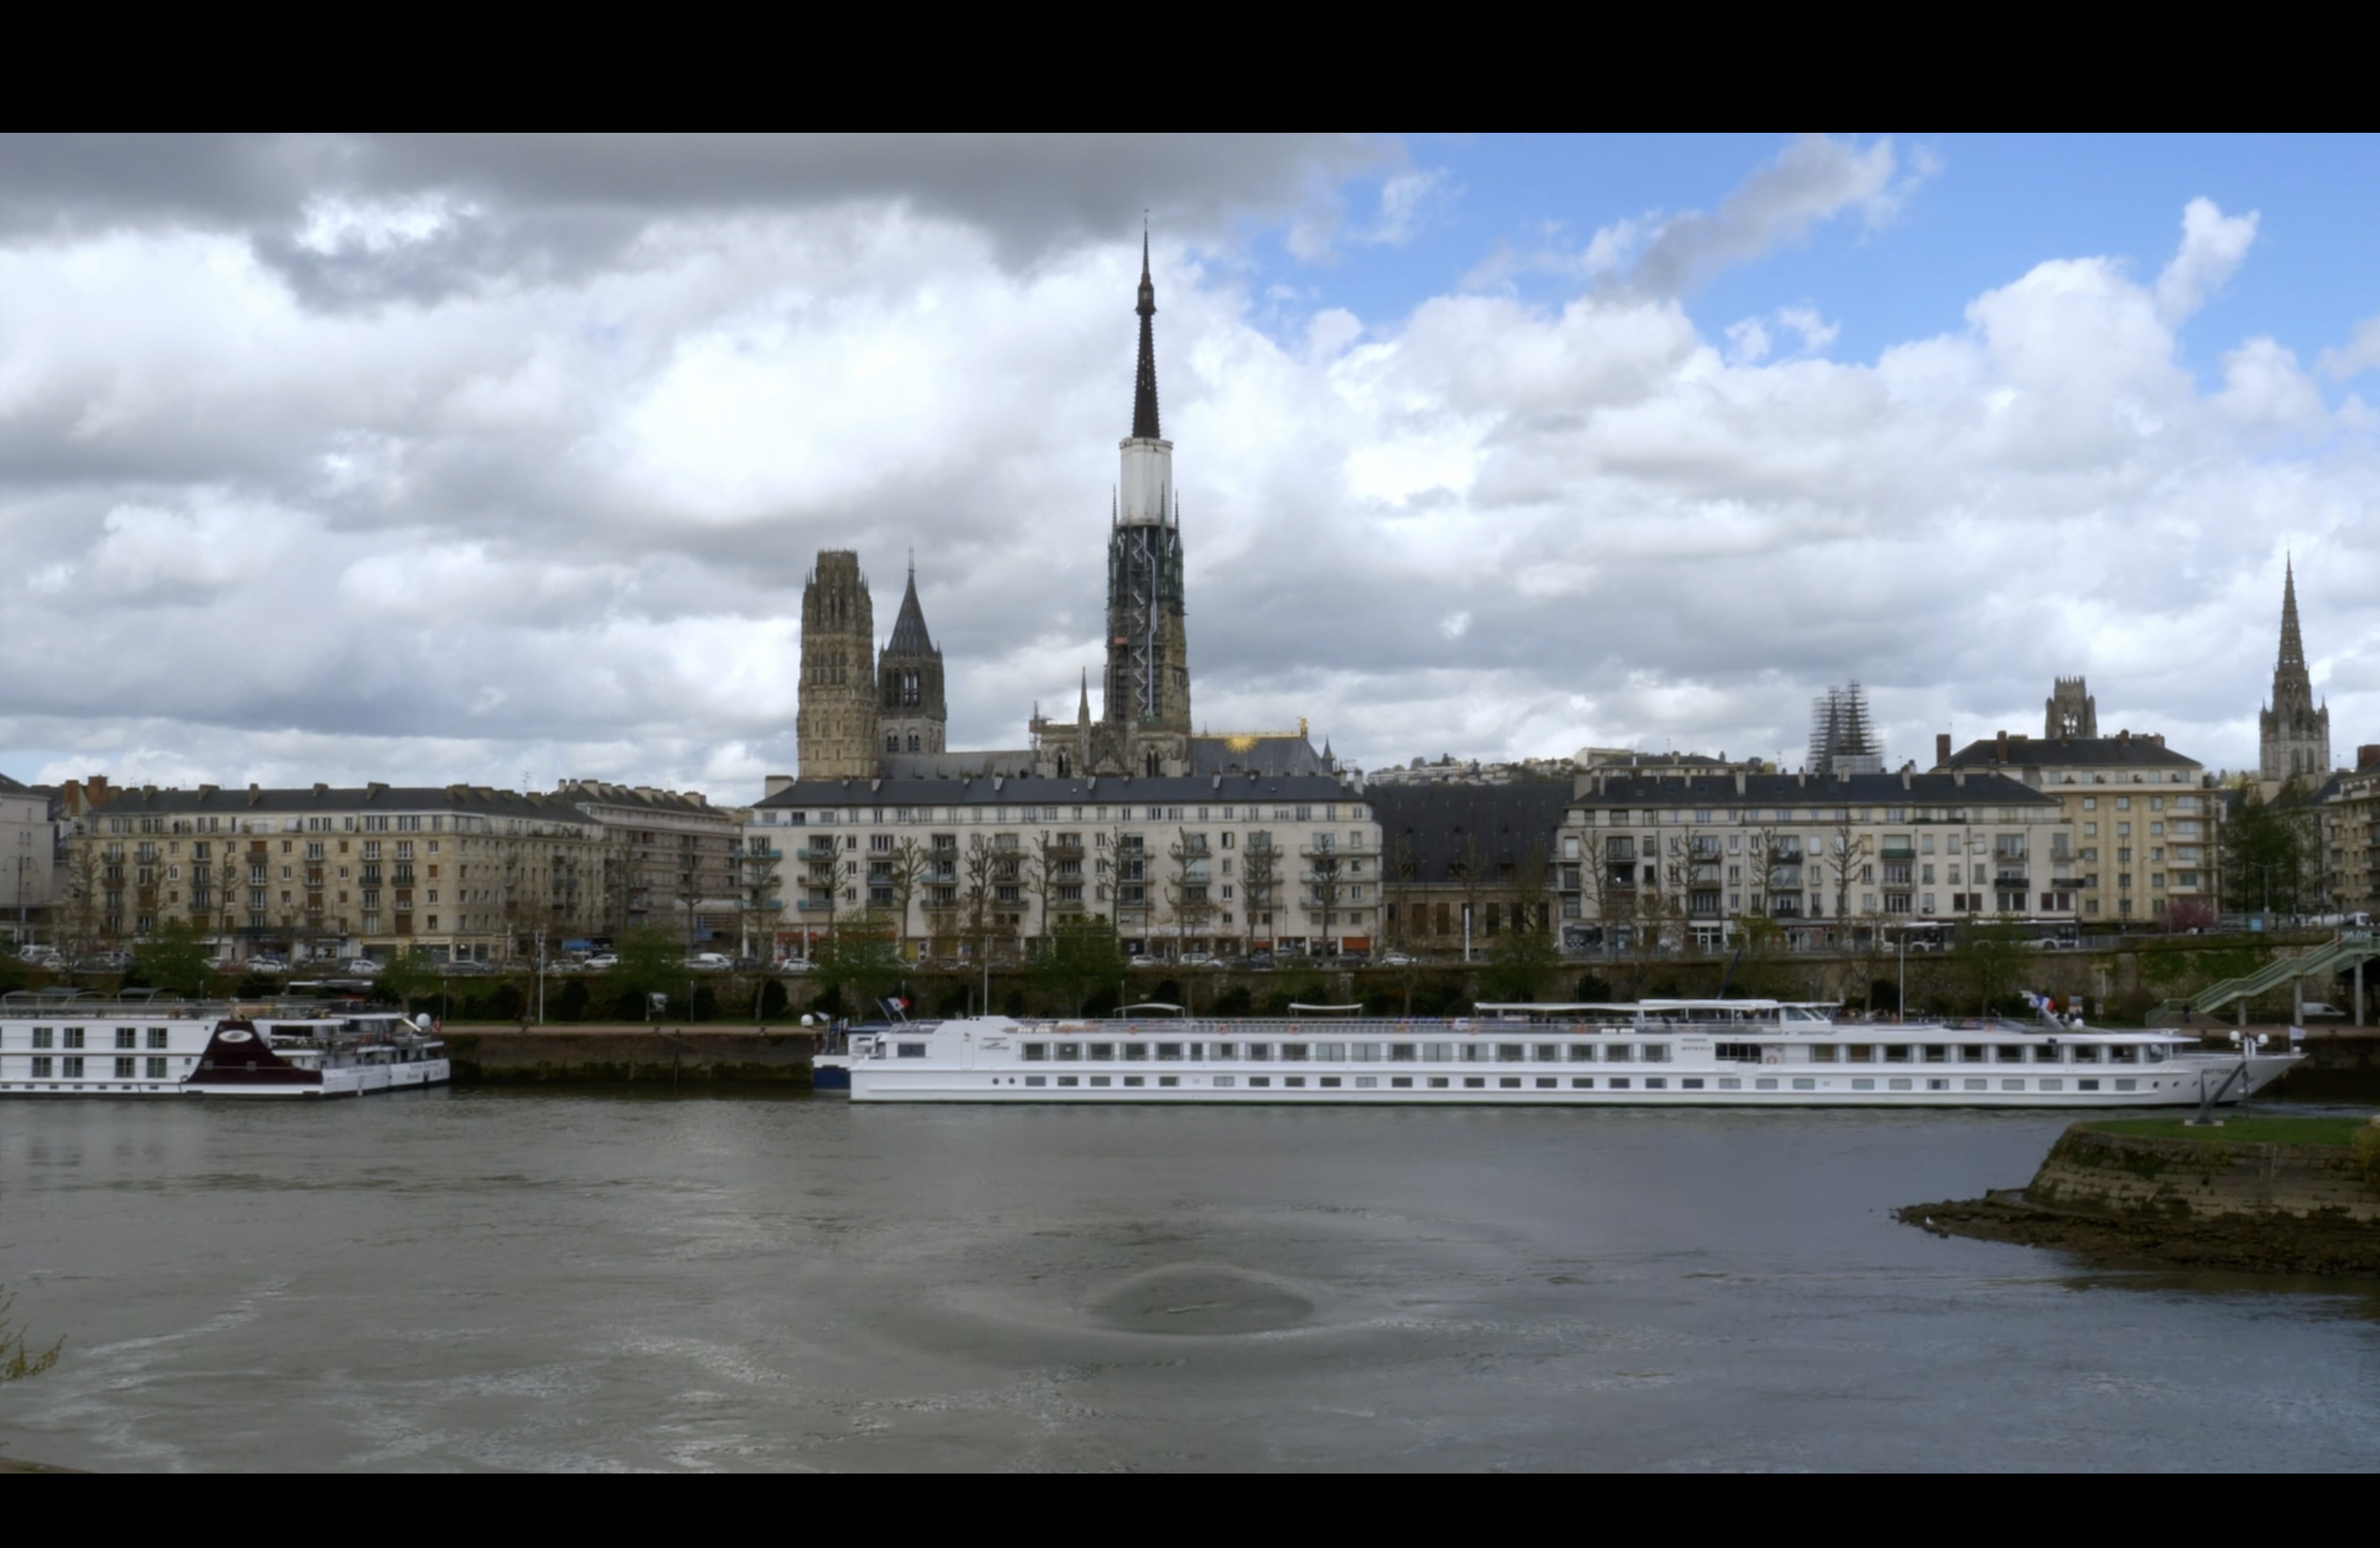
1170	1051
1582	1053
1365	1053
1438	1052
1730	1083
1898	1084
1438	1082
1804	1083
1859	1053
1547	1052
2086	1053
2121	1054
1168	1079
73	1038
1937	1083
1976	1084
1863	1085
1692	1082
1654	1053
1822	1053
1508	1082
2127	1085
2011	1085
1037	1053
1102	1050
1037	1079
1972	1053
1133	1050
1069	1050
1474	1083
124	1069
1897	1053
44	1036
1400	1053
71	1068
909	1051
42	1068
156	1070
1070	1080
1136	1079
1292	1080
2086	1085
156	1037
2155	1054
1102	1080
1259	1079
1258	1052
1329	1080
1937	1055
1620	1083
1331	1053
1546	1082
1292	1053
1765	1084
1510	1053
1475	1052
1619	1053
1740	1053
2045	1052
1401	1082
128	1037
2053	1085
1227	1081
1582	1082
1657	1083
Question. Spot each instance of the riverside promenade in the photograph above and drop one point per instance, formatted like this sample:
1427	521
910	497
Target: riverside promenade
631	1054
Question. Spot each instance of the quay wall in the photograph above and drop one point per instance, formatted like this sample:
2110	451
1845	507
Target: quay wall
2118	1176
631	1055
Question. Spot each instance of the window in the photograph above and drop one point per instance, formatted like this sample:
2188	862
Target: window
156	1070
124	1069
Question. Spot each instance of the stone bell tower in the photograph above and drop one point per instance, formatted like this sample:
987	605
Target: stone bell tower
835	724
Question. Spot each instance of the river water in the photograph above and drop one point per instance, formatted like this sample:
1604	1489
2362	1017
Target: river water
456	1279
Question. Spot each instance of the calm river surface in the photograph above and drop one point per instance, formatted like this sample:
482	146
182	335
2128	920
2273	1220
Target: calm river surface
464	1280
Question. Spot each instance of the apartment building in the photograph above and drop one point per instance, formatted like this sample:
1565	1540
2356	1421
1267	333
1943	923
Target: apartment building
1813	855
1472	862
1219	864
27	856
2145	816
670	860
458	871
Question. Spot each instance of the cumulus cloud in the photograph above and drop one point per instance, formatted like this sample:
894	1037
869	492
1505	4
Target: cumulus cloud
552	516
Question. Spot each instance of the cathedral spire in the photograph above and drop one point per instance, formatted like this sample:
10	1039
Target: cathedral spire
2292	646
1143	389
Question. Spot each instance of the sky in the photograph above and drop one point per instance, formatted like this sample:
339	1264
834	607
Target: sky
426	459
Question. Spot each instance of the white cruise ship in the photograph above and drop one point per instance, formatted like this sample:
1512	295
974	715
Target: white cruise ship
88	1046
1658	1052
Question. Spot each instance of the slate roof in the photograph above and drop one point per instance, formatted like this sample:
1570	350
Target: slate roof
1284	754
11	787
1036	791
1441	826
909	636
208	799
2072	752
1819	793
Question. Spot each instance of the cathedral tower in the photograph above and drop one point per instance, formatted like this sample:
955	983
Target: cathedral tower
911	713
836	723
2070	710
1147	684
2293	732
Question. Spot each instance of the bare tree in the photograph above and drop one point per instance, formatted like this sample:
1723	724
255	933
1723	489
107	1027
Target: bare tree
1055	864
975	896
912	863
82	922
1325	879
1531	878
1848	849
756	887
1398	876
1189	887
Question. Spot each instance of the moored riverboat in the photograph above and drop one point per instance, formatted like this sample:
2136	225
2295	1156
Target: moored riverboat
83	1045
1655	1052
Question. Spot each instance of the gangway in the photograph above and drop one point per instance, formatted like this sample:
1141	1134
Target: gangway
2333	956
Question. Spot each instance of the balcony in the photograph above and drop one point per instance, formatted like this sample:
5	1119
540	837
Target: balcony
774	905
1897	852
2009	879
813	906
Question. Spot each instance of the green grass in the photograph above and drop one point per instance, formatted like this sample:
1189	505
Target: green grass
2239	1131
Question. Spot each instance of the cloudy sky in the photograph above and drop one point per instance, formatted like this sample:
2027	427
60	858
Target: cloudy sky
433	459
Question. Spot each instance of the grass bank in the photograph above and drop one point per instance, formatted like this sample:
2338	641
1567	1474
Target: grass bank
2336	1132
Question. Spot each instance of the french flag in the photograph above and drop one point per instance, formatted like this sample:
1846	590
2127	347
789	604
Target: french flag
894	1006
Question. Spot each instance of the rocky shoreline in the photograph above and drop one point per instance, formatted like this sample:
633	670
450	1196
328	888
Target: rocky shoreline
2317	1245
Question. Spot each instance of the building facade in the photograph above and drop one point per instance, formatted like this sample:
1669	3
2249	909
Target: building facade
1815	857
27	859
458	872
834	719
967	868
2293	732
2143	817
1464	864
667	859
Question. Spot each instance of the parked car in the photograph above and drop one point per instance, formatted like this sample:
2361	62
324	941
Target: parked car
361	967
709	962
1396	959
795	965
1258	962
266	964
2314	1010
1351	959
468	967
1197	960
602	962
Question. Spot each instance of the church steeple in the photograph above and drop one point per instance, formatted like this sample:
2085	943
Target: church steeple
2294	733
1144	388
913	715
2292	646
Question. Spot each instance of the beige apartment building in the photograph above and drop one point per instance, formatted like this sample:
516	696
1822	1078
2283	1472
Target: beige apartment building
28	853
458	871
670	860
2144	816
1221	864
1819	859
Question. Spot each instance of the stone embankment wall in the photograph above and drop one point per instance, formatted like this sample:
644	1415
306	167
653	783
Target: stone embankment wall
2124	1176
632	1055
